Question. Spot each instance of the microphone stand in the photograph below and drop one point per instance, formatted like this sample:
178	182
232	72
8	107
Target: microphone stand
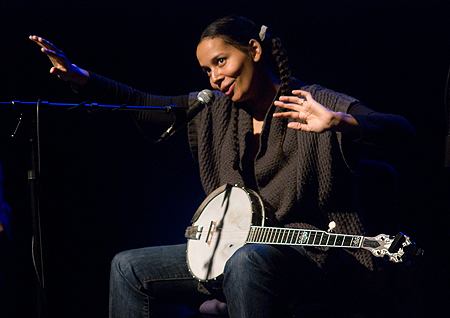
34	182
29	116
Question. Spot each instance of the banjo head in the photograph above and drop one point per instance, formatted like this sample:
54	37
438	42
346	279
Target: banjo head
221	228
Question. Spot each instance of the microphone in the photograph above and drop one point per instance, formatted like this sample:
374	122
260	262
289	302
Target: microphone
204	98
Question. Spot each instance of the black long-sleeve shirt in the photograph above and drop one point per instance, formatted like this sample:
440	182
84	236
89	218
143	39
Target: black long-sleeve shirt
303	178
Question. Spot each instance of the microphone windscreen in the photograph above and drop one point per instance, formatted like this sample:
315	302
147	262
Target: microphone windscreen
206	97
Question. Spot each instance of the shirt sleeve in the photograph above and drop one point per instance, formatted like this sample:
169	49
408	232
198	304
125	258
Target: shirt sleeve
382	130
106	90
100	89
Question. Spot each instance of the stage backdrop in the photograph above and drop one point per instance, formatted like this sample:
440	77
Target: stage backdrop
106	187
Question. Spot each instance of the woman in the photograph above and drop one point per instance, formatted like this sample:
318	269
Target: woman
293	143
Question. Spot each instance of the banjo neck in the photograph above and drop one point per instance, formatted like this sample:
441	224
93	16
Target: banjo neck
289	236
223	224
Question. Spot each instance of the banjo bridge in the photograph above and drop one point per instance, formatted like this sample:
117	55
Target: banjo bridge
212	230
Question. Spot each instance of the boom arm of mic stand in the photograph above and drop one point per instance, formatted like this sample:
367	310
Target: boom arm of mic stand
87	106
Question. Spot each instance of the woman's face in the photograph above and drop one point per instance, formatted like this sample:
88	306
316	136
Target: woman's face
229	69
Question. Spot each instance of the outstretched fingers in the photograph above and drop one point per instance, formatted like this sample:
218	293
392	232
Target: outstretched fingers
292	99
44	43
56	56
61	65
301	106
298	102
293	115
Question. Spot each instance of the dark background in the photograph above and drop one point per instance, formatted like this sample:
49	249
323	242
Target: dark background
106	188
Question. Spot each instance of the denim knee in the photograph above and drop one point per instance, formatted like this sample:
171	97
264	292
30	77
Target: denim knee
246	254
247	262
122	264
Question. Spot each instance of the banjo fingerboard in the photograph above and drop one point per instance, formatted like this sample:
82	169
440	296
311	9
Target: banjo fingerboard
275	235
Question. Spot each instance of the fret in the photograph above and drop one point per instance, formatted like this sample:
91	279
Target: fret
276	236
272	235
347	241
254	230
286	236
287	240
251	234
338	240
294	236
282	238
254	233
312	236
291	236
297	234
279	233
317	238
328	240
334	241
324	239
268	235
269	232
258	235
262	235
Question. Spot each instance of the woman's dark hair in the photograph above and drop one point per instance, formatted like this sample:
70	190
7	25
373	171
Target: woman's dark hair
238	31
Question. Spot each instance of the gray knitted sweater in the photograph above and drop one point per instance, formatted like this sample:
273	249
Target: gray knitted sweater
302	177
305	179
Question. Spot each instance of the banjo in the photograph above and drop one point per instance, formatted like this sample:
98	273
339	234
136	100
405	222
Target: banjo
232	216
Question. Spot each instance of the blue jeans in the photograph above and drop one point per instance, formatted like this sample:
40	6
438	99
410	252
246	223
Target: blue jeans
258	280
143	277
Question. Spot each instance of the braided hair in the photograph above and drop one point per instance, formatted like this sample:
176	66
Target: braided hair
238	31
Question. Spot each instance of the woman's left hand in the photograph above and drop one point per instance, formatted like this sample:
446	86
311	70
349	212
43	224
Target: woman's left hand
315	116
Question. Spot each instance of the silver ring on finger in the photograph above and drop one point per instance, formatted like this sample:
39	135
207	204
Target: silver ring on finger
303	101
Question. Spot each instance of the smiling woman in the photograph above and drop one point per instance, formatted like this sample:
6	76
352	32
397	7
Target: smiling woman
231	70
294	144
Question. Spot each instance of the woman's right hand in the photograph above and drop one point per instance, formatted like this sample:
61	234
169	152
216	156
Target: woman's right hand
61	65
